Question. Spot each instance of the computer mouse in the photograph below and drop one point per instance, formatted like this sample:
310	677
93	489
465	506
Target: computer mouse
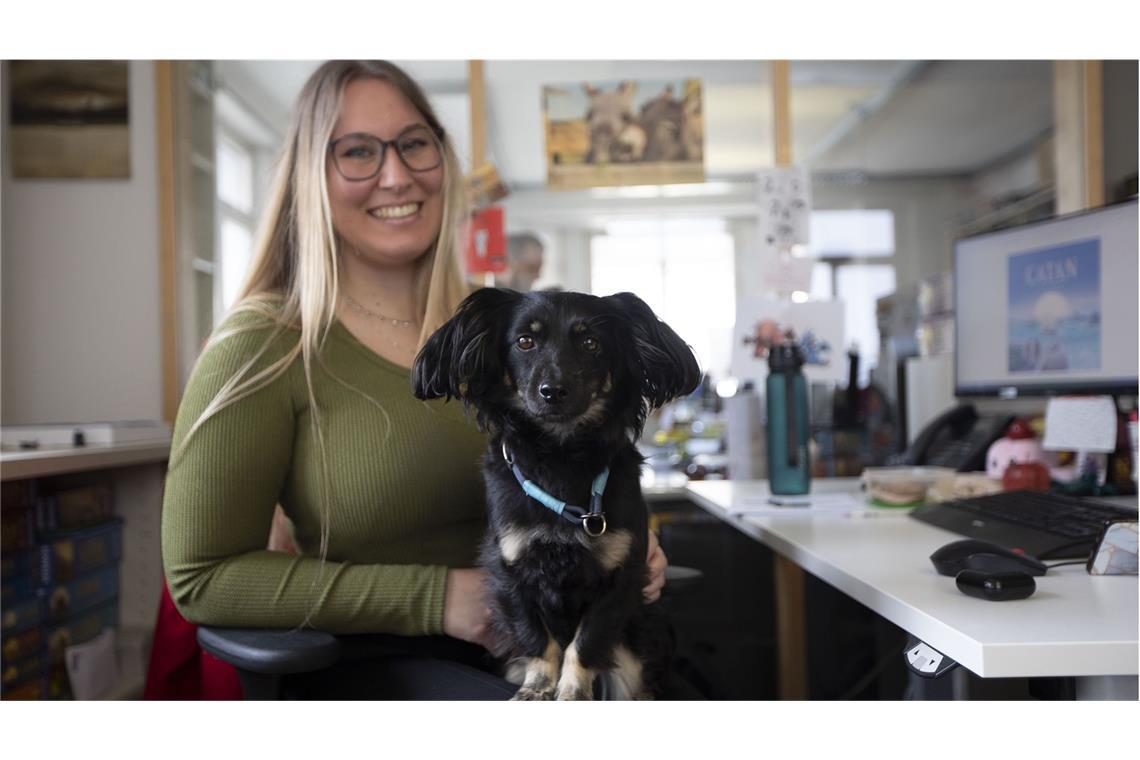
972	554
996	587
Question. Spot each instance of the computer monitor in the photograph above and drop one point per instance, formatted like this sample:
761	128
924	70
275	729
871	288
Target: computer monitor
1049	307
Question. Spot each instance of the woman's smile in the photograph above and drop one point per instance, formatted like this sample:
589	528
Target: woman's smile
403	213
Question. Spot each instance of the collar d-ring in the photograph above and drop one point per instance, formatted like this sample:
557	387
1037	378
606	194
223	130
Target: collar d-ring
587	519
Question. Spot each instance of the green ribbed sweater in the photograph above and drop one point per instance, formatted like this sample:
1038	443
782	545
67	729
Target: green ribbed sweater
407	494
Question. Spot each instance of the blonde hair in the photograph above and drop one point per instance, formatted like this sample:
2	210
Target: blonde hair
293	278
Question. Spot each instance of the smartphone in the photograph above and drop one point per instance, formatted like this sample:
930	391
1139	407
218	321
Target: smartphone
1115	552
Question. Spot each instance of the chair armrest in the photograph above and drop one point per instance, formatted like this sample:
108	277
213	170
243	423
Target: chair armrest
277	652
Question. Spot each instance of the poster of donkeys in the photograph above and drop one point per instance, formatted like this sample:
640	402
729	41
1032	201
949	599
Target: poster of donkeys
69	119
624	133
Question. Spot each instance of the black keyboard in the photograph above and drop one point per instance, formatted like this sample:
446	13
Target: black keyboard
1043	525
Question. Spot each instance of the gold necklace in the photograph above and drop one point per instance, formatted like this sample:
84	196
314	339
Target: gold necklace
352	304
365	311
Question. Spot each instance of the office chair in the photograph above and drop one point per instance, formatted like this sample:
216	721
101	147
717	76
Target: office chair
264	658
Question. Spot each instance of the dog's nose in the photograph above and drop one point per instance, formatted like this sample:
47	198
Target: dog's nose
552	393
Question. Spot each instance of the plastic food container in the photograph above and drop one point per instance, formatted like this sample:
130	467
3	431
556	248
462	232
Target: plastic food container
903	486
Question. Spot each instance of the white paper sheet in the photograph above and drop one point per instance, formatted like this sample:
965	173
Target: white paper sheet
824	503
93	667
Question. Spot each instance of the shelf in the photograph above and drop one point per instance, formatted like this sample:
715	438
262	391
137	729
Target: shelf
201	163
203	266
36	463
203	91
1002	216
136	473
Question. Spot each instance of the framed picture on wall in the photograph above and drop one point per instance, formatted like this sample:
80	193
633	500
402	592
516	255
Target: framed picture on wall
69	119
624	133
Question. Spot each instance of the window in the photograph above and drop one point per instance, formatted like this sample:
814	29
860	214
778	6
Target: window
684	269
235	183
852	233
853	249
859	286
236	251
235	175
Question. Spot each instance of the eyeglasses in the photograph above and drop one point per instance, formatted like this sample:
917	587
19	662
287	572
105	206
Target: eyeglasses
360	156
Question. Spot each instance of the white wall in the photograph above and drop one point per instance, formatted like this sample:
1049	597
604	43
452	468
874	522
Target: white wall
927	214
81	337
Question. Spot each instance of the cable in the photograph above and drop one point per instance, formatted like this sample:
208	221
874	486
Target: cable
1063	547
870	676
1070	562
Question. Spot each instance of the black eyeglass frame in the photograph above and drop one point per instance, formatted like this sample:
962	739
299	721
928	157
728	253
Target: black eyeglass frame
436	132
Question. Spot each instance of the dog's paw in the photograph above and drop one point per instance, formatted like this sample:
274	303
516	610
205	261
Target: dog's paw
573	693
532	694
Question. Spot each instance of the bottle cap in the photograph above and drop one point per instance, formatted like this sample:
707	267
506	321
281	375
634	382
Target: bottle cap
785	357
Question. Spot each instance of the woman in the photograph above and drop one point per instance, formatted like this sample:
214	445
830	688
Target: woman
302	396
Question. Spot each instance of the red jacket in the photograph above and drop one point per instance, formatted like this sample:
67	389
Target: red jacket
179	669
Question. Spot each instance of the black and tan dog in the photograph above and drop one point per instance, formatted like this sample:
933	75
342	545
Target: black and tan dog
562	382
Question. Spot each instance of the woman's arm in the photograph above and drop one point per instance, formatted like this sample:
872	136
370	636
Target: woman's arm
218	508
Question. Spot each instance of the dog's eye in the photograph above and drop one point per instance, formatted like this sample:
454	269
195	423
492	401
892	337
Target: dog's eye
591	345
525	342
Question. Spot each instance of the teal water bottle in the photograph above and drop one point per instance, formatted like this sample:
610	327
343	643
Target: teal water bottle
789	471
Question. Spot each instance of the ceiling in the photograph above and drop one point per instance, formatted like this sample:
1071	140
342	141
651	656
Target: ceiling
881	118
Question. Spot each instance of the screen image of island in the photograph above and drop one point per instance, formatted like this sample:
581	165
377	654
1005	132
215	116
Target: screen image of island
1055	309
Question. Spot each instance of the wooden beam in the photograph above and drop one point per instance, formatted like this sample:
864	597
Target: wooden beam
167	236
791	639
477	96
782	113
1078	142
1094	134
791	629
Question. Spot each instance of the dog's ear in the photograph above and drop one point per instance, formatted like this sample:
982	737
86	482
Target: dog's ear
660	361
462	358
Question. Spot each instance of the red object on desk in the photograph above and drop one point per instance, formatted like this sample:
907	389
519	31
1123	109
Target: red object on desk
1026	476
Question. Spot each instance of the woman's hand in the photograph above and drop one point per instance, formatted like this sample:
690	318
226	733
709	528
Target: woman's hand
656	562
281	533
465	612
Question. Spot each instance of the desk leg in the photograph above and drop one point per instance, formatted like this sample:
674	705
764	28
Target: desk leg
791	643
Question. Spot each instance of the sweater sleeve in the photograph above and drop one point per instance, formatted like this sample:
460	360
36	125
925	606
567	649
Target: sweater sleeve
220	494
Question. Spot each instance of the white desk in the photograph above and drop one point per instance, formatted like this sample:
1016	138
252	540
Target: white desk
1074	625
